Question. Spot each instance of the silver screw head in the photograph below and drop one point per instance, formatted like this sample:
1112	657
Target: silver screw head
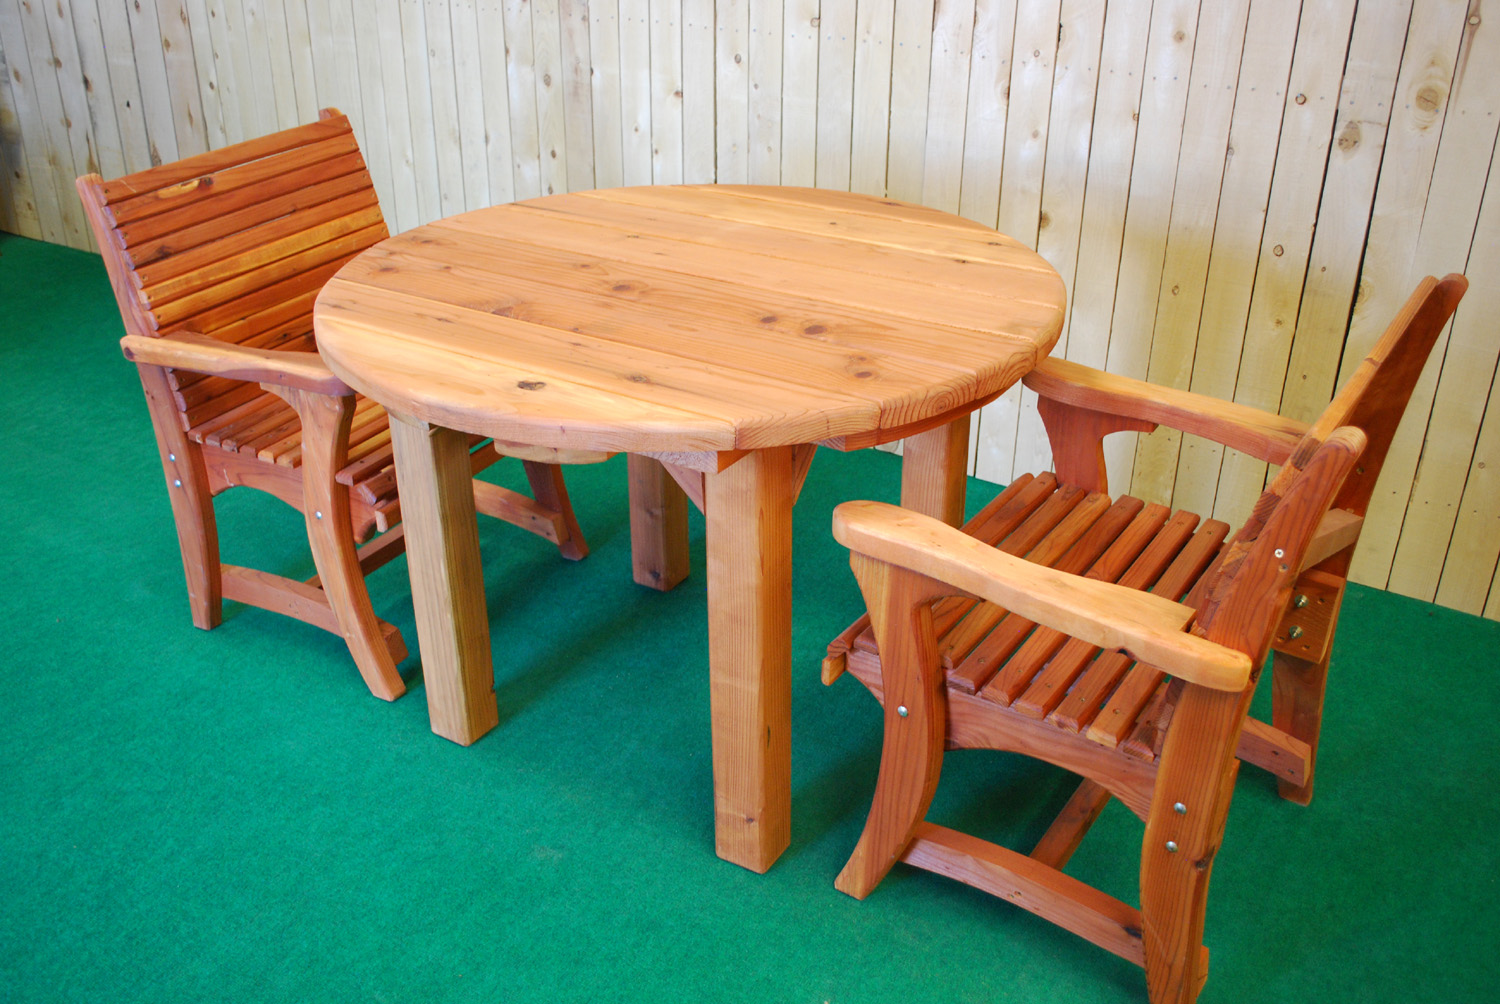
1295	631
176	482
1300	601
317	515
1280	553
1171	847
1180	809
901	710
172	457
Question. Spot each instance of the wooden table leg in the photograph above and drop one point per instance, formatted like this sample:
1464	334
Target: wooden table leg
658	525
749	522
934	471
447	583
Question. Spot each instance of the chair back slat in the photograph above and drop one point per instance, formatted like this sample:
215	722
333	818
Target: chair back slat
235	244
325	179
133	194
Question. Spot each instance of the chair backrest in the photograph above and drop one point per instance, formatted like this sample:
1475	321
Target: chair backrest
236	243
1372	400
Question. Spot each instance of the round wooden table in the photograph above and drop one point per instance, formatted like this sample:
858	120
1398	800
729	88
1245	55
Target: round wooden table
715	333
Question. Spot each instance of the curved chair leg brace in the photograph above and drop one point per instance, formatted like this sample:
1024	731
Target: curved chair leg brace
916	711
330	532
191	498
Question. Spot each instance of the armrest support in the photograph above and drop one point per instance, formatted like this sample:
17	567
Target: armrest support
1259	433
1150	628
191	351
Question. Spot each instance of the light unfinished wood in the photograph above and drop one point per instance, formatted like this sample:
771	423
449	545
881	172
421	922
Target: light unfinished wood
1296	219
716	334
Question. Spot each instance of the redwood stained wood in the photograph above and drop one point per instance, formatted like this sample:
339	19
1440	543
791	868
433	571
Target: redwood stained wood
1165	740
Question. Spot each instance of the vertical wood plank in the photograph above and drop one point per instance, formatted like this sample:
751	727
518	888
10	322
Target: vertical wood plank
403	211
1074	88
525	141
419	105
28	35
496	84
1112	142
698	130
666	92
634	98
835	94
799	95
20	212
108	146
947	104
1192	234
299	37
731	91
1227	484
1451	394
443	111
764	56
279	63
578	102
911	68
1390	263
176	42
606	21
546	37
1153	172
988	105
375	141
1020	208
469	87
124	83
873	37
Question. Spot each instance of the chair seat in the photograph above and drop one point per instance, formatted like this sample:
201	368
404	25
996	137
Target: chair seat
1041	673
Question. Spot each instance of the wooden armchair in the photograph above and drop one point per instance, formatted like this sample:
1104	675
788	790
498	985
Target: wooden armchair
1119	641
215	262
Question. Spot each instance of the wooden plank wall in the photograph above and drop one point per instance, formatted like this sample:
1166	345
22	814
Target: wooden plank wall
1238	192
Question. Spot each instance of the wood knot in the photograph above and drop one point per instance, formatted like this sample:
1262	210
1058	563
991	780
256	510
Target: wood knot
531	384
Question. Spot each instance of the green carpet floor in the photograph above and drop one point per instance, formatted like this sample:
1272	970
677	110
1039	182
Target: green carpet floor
229	816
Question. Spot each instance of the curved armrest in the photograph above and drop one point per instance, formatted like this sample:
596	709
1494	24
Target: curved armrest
1150	628
1261	434
191	351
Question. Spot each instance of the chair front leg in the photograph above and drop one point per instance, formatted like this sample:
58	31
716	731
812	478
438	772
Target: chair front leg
916	718
1194	785
330	532
551	491
191	498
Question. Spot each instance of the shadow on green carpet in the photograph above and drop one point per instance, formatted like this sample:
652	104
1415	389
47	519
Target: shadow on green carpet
229	815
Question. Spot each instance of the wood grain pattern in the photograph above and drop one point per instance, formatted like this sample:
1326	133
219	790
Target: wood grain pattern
741	318
1346	114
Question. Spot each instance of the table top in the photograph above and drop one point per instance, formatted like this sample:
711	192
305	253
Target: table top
689	318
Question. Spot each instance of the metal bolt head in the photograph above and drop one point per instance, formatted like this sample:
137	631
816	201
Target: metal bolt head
1180	809
317	515
1171	847
901	710
1300	601
172	457
176	482
1295	631
1280	553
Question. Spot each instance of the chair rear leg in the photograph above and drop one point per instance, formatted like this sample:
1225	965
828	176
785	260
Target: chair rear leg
192	501
1298	687
916	712
549	489
330	532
